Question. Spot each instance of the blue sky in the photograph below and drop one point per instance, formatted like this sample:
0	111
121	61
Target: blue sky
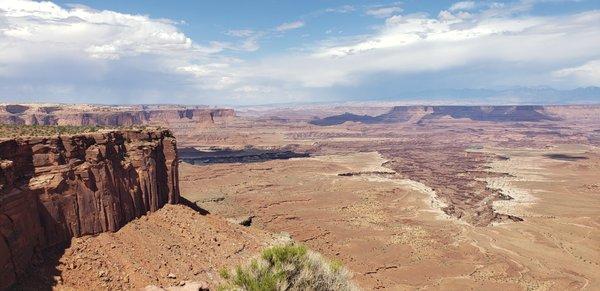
258	52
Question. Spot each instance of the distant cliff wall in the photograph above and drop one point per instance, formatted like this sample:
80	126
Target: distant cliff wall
56	188
421	114
519	113
106	116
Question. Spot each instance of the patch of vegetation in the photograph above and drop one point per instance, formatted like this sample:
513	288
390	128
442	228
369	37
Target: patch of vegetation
288	267
14	130
21	130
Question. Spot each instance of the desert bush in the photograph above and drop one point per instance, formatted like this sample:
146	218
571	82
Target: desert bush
288	267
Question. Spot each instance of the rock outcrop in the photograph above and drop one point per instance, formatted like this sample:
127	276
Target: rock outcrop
56	188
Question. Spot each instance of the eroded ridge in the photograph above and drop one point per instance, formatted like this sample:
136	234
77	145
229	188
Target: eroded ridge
457	177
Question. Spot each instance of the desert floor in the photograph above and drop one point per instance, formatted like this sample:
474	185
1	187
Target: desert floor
354	200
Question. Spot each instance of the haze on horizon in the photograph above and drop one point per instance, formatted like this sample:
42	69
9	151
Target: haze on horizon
261	52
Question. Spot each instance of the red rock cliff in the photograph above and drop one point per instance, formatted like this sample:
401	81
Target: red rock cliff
53	189
171	116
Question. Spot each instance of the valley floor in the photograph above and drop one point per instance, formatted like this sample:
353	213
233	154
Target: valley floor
391	234
416	211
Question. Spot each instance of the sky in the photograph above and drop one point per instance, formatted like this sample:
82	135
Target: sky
284	51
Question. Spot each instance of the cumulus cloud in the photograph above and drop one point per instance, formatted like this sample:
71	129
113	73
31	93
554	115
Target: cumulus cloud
290	26
99	34
415	44
79	49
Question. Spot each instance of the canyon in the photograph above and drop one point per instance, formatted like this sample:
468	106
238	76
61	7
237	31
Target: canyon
406	197
471	198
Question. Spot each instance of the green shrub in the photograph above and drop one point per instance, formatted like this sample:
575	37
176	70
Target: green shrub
288	267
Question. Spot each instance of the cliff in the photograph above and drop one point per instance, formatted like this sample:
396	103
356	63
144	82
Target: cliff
98	115
56	188
420	114
520	113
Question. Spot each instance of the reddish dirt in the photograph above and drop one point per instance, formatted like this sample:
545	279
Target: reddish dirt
164	248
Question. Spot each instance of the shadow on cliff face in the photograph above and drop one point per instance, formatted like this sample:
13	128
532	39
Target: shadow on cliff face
43	273
246	155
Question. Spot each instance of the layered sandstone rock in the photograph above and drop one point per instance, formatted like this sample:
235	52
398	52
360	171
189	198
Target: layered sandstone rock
421	114
98	115
56	188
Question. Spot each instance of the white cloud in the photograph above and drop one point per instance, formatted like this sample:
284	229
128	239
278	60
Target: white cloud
202	70
341	9
241	32
404	31
417	43
75	53
587	74
99	34
290	26
383	12
53	51
463	5
254	89
250	40
446	15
